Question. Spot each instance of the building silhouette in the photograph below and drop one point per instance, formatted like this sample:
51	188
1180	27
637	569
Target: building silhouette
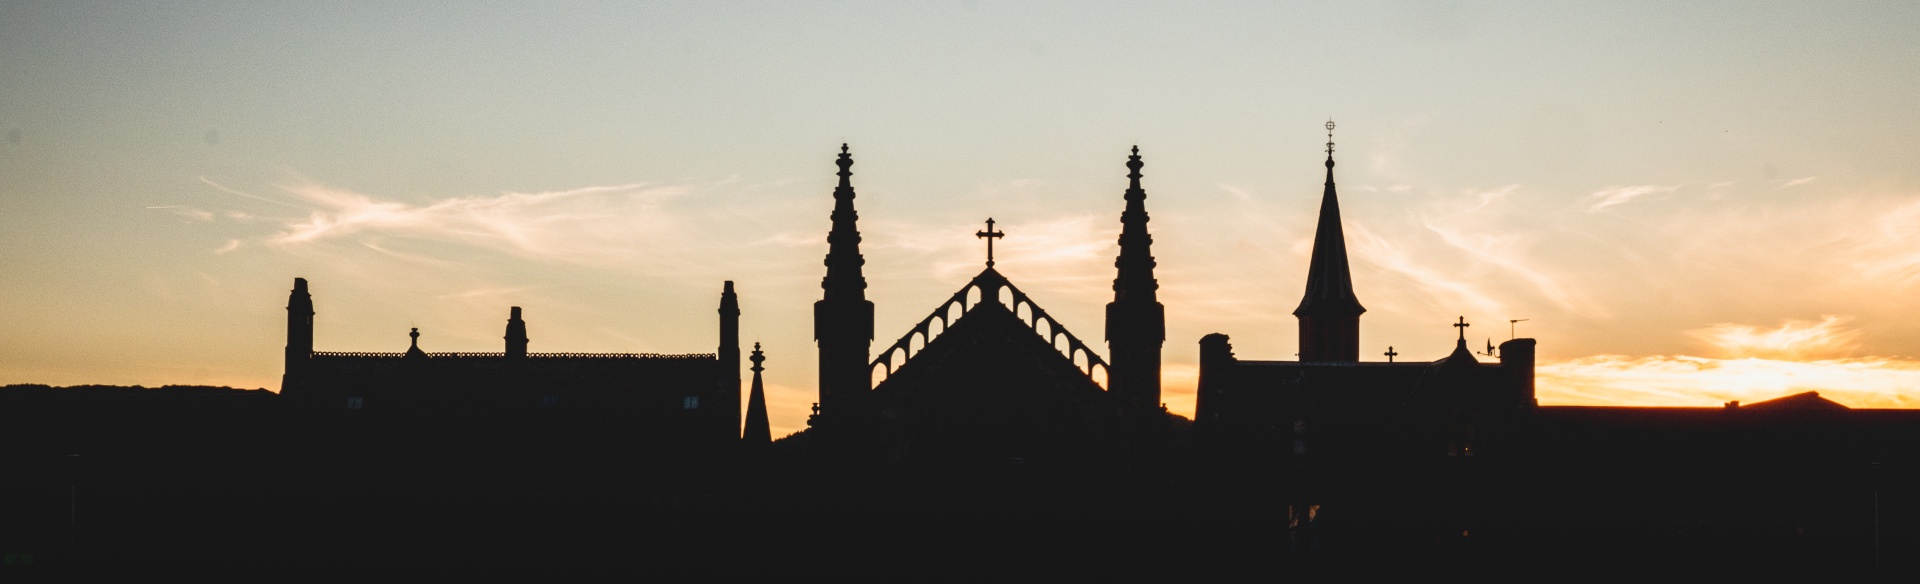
640	397
988	440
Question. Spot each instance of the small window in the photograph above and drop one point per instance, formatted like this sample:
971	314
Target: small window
550	401
691	402
354	403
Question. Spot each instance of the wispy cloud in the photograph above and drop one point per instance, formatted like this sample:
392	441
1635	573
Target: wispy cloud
1794	340
1622	195
190	213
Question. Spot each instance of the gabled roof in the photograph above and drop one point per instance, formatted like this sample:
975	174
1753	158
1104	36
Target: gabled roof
989	388
1804	401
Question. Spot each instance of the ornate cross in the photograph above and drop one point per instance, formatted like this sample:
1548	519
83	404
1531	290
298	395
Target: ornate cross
1462	325
990	235
1390	354
1329	138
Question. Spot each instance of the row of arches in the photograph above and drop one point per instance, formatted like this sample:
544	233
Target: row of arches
964	301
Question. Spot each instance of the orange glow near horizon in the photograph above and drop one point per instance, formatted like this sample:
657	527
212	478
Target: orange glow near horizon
1683	381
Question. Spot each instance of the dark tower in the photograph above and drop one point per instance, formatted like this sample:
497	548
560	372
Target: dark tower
729	382
516	335
299	337
843	318
1330	314
1136	321
759	432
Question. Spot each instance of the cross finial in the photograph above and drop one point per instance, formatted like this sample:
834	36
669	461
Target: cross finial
1329	141
1390	354
1462	325
990	235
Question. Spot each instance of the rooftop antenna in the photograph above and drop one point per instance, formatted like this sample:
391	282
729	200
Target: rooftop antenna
1510	328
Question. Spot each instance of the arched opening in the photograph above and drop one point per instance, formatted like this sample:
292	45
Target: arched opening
1100	375
973	297
1080	358
1044	328
955	310
915	343
1006	296
877	375
897	357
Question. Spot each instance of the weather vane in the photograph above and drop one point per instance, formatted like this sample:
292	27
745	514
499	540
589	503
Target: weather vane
990	235
1329	138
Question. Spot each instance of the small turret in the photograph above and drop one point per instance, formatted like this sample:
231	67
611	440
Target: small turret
729	381
299	338
516	335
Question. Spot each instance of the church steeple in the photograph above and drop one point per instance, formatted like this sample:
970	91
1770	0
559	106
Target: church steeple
1329	313
843	318
758	431
1136	321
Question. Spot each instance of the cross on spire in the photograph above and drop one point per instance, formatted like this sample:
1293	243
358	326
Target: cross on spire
1329	139
1390	354
990	235
1462	325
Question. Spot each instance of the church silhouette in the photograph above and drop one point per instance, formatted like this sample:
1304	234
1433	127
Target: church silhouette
988	442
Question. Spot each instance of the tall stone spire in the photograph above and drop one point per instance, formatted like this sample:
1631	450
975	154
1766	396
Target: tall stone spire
759	431
843	318
1136	321
1329	314
299	337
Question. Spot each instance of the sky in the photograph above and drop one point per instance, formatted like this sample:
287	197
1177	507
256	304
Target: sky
1688	203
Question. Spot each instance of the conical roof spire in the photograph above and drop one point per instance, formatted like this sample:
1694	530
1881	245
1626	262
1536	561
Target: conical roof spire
844	278
1329	282
758	430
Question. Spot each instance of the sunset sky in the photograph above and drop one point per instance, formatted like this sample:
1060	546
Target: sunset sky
1690	203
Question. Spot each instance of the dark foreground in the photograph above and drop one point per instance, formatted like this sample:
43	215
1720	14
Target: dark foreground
185	481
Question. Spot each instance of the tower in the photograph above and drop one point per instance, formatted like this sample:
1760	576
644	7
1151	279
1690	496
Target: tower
516	335
1329	314
299	337
843	318
729	378
759	431
1136	321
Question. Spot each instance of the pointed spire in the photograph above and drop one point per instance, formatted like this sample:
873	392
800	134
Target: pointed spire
758	430
1329	282
1135	280
843	317
844	276
1136	321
